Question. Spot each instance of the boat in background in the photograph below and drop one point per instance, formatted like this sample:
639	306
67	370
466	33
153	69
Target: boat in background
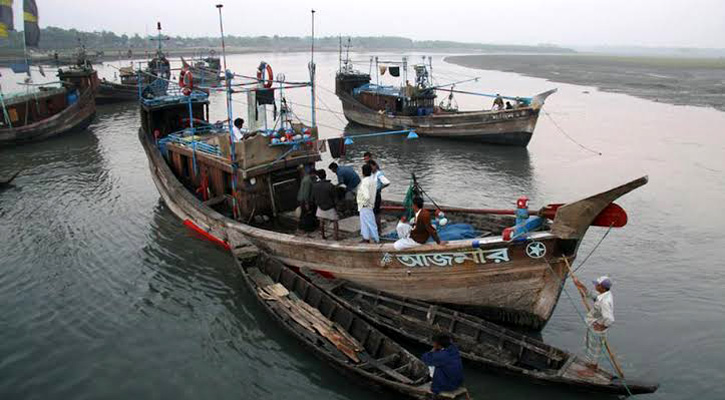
207	71
413	106
49	111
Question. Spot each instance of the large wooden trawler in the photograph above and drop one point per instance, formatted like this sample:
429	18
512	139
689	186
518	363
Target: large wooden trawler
218	187
50	111
414	106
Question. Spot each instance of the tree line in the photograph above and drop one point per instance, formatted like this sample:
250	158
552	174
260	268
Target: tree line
53	38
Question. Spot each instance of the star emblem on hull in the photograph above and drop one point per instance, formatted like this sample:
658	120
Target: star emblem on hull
536	250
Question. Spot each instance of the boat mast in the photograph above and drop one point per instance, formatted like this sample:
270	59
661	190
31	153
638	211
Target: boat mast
228	82
312	72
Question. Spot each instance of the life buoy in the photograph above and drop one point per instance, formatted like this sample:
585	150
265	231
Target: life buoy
186	81
265	68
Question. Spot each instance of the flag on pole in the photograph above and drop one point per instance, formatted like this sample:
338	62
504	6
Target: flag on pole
6	18
30	17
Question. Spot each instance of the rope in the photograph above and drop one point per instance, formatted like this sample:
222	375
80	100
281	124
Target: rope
569	137
595	247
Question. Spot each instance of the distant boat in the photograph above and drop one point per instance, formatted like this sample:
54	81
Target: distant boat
413	106
205	70
155	75
49	110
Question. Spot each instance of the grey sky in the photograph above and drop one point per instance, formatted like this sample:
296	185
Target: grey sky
691	23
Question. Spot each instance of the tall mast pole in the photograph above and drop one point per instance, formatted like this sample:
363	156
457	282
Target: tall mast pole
228	81
312	73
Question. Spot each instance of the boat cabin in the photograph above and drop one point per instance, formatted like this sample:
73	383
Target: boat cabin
255	177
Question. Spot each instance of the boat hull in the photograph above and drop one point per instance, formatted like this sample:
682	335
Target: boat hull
110	93
506	127
489	277
76	117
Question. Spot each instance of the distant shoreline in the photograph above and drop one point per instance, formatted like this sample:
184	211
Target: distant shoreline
679	81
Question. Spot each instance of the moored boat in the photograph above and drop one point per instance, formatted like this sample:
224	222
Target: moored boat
50	111
413	106
250	189
206	70
116	92
483	343
330	330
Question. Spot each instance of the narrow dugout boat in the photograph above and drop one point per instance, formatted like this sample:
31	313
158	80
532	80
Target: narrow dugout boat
251	190
483	343
329	329
51	111
414	106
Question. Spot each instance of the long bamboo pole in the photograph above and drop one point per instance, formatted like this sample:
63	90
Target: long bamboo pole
583	295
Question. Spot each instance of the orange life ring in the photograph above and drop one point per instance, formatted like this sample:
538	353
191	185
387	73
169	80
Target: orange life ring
186	81
264	67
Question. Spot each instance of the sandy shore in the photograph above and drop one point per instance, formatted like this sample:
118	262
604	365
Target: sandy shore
682	81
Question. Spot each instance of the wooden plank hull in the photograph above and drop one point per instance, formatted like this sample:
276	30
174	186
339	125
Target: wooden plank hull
483	343
76	117
332	332
490	277
506	127
110	92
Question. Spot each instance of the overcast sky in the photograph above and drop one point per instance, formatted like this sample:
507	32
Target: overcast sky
690	23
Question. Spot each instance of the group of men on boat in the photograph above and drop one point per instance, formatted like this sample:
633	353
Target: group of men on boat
318	200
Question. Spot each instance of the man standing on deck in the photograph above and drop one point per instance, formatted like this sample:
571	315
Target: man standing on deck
324	196
348	177
365	205
381	182
422	228
237	129
445	362
599	318
498	102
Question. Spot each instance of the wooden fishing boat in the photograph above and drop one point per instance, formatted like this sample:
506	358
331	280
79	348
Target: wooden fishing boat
252	191
329	329
483	343
206	70
51	111
115	92
414	107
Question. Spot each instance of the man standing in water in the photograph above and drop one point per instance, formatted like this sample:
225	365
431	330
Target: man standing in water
445	362
599	318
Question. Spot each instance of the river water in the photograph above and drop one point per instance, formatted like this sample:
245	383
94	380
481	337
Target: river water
104	294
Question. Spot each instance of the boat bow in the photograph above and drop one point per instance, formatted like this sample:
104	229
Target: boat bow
538	101
572	220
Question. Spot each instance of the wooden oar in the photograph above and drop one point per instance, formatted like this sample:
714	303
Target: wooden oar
588	308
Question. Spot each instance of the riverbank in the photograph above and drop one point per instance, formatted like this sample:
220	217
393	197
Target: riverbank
680	81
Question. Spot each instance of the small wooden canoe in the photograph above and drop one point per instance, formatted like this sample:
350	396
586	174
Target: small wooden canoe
112	92
329	329
483	343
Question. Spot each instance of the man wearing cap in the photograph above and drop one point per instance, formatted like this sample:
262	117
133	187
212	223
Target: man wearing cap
599	318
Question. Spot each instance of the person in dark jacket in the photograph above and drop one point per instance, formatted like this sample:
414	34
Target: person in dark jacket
324	196
445	360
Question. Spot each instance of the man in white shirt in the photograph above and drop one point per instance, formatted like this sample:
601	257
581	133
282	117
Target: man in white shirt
599	318
237	130
365	204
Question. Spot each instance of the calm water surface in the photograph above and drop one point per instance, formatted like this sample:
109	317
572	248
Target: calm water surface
104	293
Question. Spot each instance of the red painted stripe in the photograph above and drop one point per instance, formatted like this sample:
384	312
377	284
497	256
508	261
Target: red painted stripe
324	274
190	224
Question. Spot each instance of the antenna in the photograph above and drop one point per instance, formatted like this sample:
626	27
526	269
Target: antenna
221	28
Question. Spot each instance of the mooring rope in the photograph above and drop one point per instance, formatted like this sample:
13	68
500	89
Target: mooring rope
561	130
595	247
